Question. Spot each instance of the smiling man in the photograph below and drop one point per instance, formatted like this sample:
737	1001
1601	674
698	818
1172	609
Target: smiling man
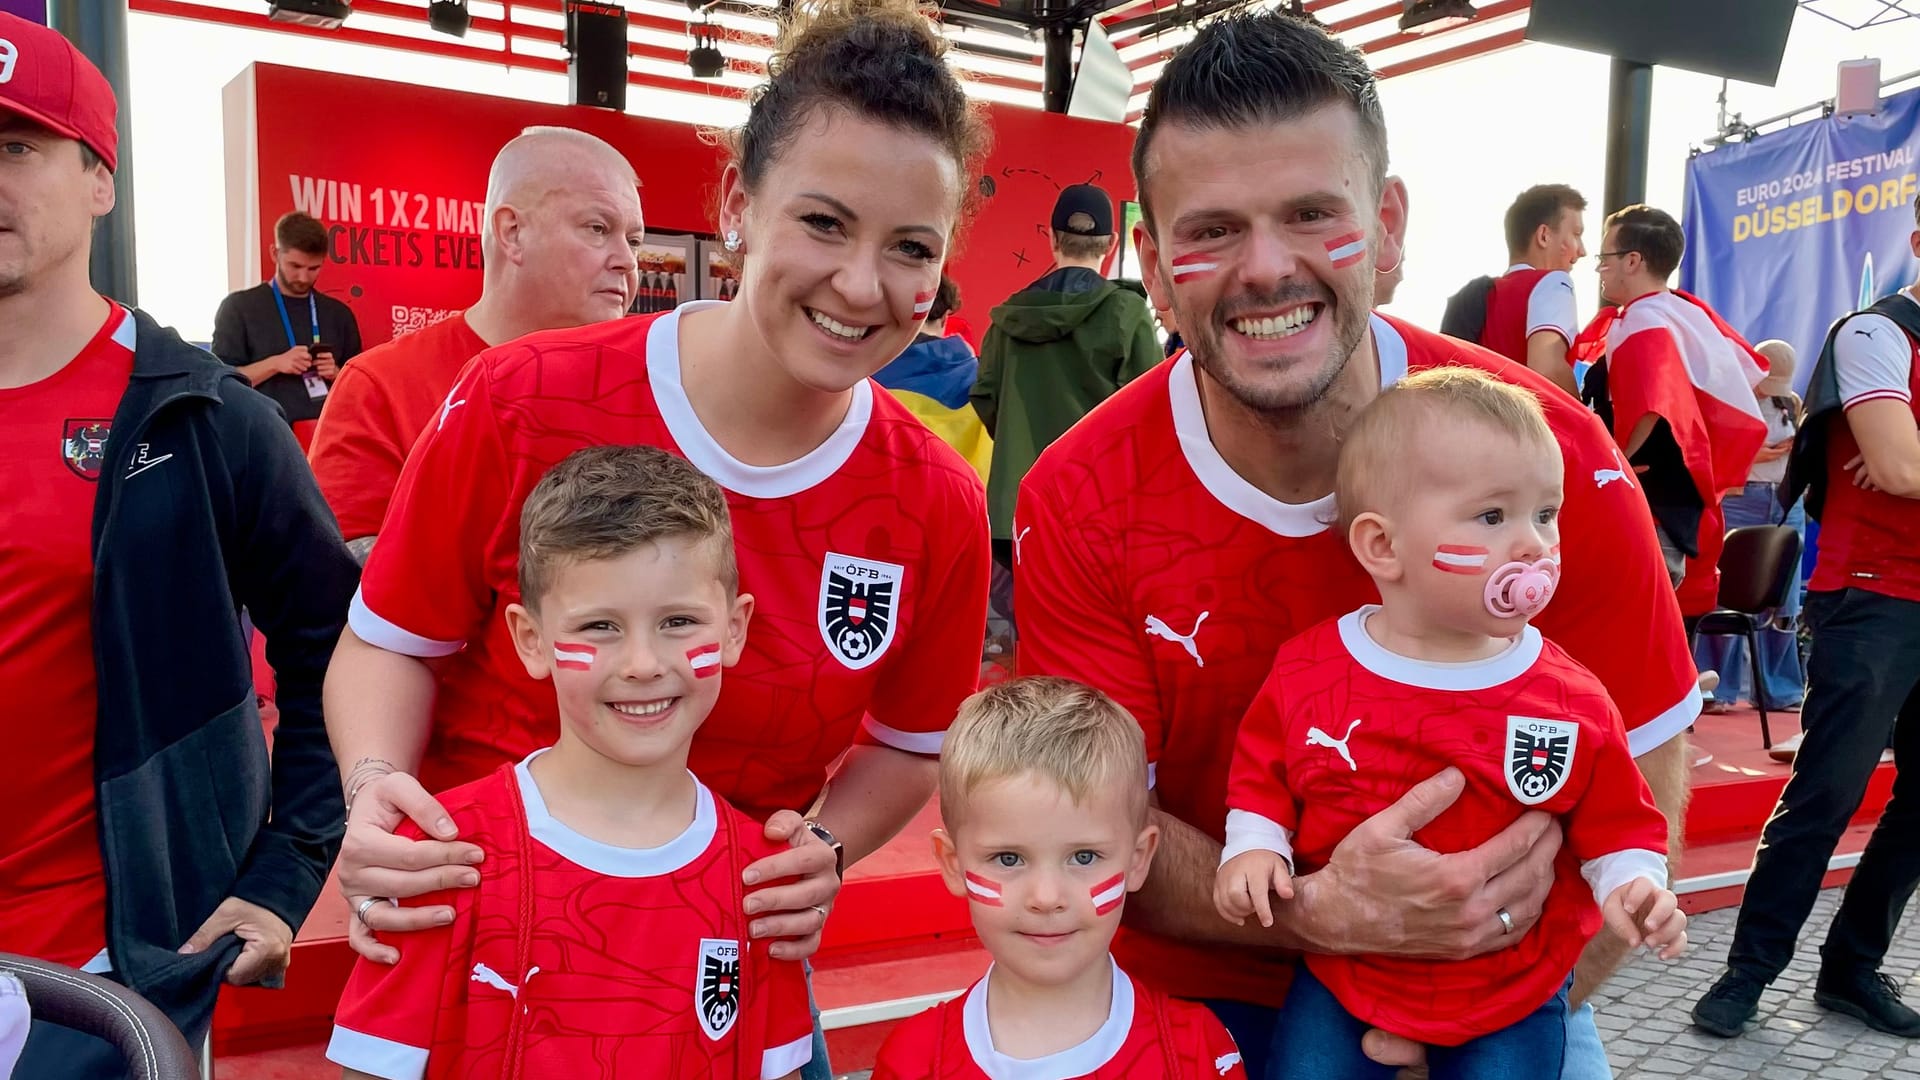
1180	533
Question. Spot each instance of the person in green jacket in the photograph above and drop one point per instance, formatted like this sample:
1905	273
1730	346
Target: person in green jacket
1056	349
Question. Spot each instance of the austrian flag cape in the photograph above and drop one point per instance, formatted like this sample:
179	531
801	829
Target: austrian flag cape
1671	356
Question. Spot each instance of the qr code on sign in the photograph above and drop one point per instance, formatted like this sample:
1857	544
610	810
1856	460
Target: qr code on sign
408	319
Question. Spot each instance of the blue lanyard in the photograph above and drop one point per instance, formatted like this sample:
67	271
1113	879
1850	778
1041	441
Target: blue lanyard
286	323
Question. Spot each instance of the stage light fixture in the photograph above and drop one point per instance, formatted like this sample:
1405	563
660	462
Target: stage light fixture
703	58
449	17
320	14
1433	16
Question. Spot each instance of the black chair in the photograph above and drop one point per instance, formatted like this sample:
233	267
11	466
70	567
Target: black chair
153	1047
1757	567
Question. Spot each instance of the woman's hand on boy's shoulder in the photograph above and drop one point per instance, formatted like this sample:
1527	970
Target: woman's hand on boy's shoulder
377	867
792	912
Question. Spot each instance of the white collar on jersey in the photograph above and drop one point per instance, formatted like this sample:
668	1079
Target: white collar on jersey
1504	667
607	859
1080	1060
124	334
1229	487
1516	266
753	481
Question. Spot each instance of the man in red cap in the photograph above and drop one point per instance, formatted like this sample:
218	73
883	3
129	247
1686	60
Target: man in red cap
146	495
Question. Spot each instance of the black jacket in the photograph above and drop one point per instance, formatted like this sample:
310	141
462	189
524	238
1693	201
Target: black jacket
206	505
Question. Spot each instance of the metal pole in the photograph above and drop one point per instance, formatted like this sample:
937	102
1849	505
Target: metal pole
99	29
1056	86
1629	121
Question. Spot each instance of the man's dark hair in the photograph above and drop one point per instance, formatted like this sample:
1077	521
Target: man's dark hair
300	232
89	157
1653	233
1539	205
946	300
1261	67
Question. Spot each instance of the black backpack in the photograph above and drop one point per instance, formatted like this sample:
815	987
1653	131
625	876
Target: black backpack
1807	467
1466	314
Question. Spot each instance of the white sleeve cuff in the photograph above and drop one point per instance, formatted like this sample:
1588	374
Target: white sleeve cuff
369	627
778	1061
1654	734
1609	872
913	742
1248	831
375	1056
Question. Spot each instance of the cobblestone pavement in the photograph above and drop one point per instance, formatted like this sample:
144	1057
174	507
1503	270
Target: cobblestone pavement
1643	1015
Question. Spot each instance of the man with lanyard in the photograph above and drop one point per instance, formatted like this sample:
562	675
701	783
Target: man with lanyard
289	350
1858	456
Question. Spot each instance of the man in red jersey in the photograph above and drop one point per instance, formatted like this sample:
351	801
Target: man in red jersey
1527	314
146	494
542	272
1180	533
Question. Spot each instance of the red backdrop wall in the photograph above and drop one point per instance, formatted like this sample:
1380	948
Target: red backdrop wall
399	172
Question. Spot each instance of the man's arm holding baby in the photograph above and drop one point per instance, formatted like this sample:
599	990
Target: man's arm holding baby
1380	892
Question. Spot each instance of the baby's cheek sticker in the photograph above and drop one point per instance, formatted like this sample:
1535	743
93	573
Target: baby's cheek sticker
1108	894
705	660
569	656
983	890
1459	559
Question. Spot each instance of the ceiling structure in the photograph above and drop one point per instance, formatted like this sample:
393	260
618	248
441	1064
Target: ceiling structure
998	44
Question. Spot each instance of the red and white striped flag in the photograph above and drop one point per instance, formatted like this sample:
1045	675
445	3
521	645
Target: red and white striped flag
705	660
1108	894
572	656
1347	250
983	890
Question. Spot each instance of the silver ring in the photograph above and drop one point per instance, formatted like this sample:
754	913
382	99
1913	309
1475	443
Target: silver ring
360	912
1506	921
821	910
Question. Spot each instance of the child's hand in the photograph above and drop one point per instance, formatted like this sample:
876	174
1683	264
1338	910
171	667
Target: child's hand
1241	887
1642	913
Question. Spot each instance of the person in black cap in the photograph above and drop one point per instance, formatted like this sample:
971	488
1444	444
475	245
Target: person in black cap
1055	350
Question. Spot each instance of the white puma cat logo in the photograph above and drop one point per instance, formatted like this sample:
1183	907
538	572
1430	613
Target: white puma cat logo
1017	537
487	976
1157	627
446	408
1603	477
1316	737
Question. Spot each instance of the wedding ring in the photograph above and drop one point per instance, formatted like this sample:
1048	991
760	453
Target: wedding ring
1506	921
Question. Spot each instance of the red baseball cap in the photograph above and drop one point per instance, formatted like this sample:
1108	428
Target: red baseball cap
45	79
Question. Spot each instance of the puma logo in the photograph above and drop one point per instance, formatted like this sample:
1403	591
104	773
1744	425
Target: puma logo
1866	333
448	408
1157	627
1017	537
488	977
1316	737
1603	477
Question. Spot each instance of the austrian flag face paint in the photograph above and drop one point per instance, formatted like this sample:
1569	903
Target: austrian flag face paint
569	656
983	890
922	305
1108	894
1189	267
1456	559
705	660
1347	250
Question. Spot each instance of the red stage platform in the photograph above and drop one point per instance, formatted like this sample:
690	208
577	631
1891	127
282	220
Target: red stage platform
898	942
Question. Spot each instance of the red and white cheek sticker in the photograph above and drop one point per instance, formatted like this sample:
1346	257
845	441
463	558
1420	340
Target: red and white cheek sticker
1191	267
1460	559
922	305
569	656
705	660
1108	894
983	890
1347	250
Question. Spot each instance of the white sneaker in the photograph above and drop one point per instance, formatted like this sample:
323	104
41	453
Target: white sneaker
1786	749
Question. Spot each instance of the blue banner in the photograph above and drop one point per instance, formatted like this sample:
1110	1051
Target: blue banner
1792	230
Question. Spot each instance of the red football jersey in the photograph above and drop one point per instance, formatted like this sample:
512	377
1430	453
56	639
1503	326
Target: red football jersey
53	438
1147	1036
1151	569
1867	537
1523	302
1343	728
867	559
582	959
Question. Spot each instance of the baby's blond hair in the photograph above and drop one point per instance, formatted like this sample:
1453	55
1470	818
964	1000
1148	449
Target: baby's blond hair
1064	731
1380	459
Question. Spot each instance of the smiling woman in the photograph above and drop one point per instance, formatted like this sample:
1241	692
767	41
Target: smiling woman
861	536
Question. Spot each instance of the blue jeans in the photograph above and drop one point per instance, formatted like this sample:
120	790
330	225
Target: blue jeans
1317	1037
1780	668
816	1067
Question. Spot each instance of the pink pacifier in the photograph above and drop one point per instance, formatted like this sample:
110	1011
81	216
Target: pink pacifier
1521	589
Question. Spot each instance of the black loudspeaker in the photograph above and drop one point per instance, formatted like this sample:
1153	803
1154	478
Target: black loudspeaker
1735	39
597	53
